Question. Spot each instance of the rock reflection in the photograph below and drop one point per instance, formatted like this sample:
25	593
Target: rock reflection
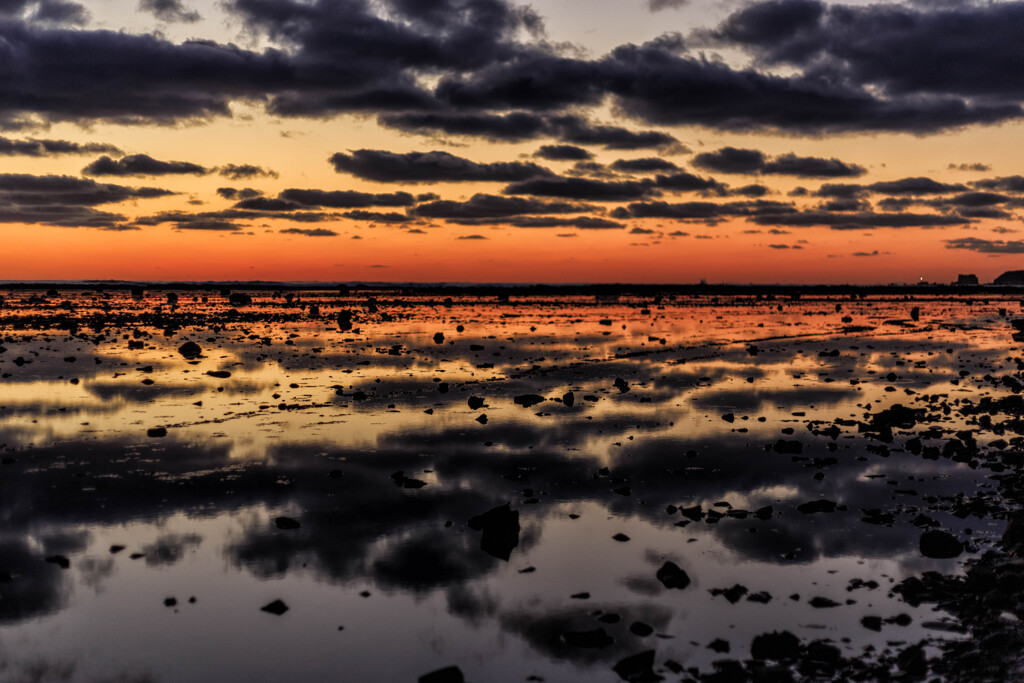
728	437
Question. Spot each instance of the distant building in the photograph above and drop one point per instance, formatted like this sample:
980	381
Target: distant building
1011	277
967	280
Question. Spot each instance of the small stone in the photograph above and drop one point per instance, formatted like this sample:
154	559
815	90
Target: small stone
277	608
940	545
672	576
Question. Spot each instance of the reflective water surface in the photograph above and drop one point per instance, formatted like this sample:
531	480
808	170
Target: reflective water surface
530	488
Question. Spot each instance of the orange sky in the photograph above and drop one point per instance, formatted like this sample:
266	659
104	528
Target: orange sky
296	150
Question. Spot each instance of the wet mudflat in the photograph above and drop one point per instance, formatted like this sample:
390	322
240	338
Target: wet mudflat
397	486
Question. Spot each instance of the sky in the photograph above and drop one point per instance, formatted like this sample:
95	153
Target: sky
631	141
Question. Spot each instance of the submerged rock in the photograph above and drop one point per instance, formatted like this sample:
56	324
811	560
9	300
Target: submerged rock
500	527
940	545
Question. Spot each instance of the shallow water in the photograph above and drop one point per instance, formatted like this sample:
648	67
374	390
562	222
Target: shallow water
366	438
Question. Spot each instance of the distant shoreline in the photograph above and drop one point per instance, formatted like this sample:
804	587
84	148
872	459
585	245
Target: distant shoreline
538	289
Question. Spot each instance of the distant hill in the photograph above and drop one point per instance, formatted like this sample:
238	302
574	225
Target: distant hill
1010	277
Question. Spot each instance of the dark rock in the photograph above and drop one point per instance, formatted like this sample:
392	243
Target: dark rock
638	668
569	399
219	374
156	432
59	560
439	338
672	576
286	523
620	537
597	639
475	402
733	594
940	545
405	482
190	350
240	299
277	608
777	645
170	602
788	447
527	400
817	506
820	602
639	628
872	623
500	527
913	661
450	674
720	646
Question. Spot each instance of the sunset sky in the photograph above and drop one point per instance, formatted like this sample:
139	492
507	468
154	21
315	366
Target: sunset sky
647	141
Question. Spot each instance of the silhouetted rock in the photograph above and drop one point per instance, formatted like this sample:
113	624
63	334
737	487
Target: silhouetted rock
527	400
277	608
59	560
638	668
286	523
569	399
451	674
813	506
219	374
940	545
597	639
190	350
672	576
156	432
500	527
777	645
1010	277
240	299
475	402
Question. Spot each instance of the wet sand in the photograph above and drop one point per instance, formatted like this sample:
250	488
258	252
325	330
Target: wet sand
403	485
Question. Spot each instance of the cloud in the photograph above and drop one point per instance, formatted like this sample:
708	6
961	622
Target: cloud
581	222
644	165
969	167
582	188
485	206
903	52
471	237
1013	184
752	161
33	147
377	216
563	153
659	5
687	182
429	167
309	232
346	199
245	171
234	193
141	164
784	246
170	11
984	246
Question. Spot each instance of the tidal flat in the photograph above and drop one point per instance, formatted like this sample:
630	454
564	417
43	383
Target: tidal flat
402	485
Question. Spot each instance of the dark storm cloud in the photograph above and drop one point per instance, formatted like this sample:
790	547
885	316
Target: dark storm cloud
493	206
268	204
563	153
858	221
141	164
245	171
169	11
377	216
752	161
65	201
429	167
751	191
645	165
873	68
511	127
346	199
1014	184
41	148
582	188
581	222
687	182
964	50
234	193
914	186
987	246
309	232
